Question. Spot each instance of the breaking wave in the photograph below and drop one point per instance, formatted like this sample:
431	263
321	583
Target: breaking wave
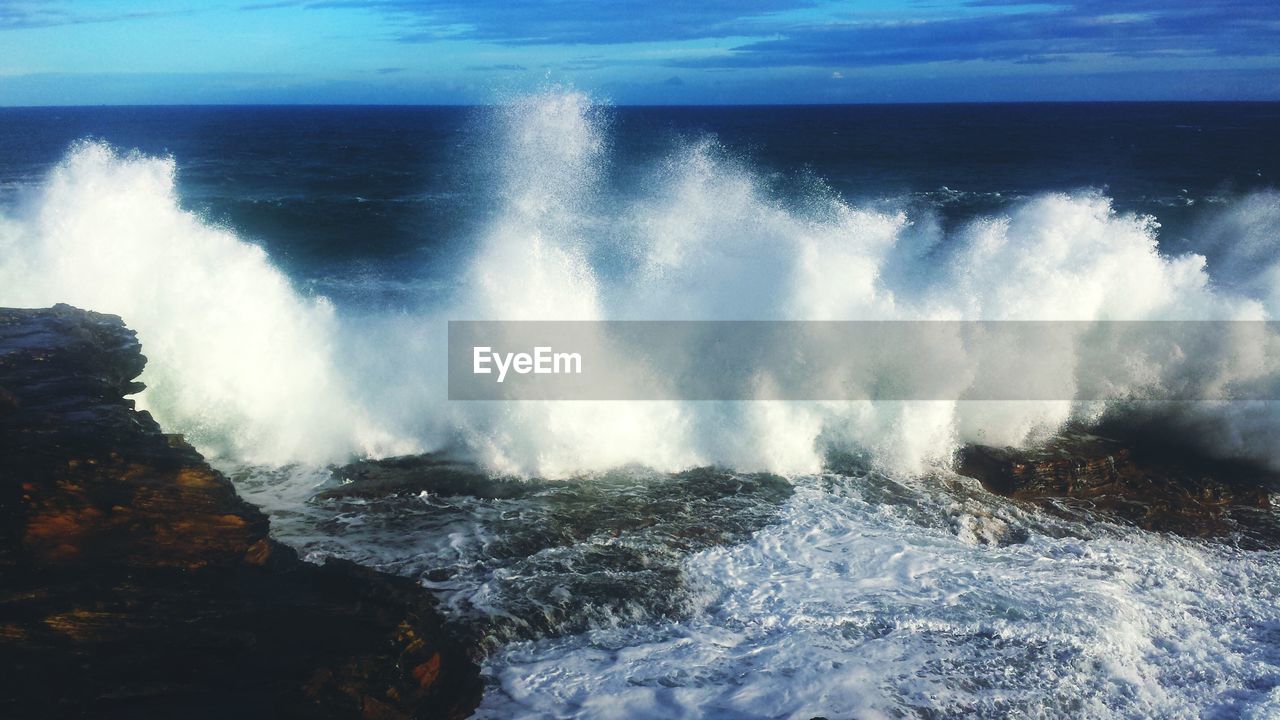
251	367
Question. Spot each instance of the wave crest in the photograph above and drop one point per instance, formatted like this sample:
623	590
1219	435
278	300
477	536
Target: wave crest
248	366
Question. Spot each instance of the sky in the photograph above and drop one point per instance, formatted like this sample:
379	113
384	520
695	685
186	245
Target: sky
90	52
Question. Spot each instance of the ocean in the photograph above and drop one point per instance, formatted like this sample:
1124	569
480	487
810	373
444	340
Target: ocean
290	272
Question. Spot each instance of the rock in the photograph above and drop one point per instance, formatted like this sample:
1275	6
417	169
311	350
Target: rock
1159	488
138	584
433	473
558	556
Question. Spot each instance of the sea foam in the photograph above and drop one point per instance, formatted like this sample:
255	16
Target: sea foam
250	367
236	358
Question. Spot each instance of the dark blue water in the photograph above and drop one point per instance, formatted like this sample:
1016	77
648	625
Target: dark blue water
335	190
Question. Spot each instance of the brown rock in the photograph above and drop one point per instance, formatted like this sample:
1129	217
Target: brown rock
138	584
1086	476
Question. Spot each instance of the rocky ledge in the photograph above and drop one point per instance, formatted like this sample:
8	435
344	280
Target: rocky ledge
1141	478
138	584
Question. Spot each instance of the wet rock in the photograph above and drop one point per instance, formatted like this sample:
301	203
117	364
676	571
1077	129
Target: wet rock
138	584
433	473
983	528
557	556
1086	476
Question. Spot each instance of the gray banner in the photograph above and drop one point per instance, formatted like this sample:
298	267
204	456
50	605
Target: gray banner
863	360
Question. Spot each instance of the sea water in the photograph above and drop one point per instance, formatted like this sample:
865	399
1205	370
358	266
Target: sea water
290	273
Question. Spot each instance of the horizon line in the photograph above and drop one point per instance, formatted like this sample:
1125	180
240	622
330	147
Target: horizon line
870	103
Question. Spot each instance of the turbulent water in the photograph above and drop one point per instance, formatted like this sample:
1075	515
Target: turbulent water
290	272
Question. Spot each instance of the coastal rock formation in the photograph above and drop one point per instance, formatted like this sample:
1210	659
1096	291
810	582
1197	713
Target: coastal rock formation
556	556
138	584
1140	481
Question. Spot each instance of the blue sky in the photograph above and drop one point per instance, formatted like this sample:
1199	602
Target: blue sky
56	52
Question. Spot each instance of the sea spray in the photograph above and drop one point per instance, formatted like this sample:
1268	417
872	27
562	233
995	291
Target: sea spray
250	367
534	263
238	360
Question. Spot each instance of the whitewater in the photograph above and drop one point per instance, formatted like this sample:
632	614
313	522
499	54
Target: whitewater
882	586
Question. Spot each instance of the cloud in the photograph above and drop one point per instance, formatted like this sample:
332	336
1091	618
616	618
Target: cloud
16	15
834	34
575	22
29	14
1136	28
499	67
271	5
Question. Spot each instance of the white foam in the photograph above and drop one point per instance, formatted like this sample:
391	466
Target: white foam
706	239
238	360
247	365
848	607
